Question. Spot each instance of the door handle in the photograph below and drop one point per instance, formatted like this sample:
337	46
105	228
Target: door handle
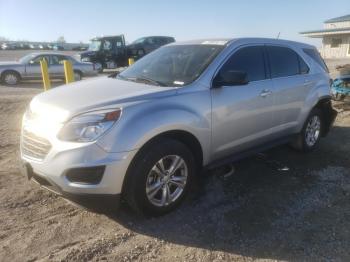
265	93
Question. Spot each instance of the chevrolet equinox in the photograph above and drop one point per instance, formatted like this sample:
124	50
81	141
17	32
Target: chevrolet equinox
145	133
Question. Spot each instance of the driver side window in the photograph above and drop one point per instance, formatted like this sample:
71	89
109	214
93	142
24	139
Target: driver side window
249	60
107	45
36	60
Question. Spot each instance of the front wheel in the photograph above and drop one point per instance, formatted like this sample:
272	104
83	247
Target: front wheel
310	135
10	78
77	76
160	177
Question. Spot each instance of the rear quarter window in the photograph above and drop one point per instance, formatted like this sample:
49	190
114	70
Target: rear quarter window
315	55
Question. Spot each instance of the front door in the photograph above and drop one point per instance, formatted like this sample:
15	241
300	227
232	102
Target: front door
242	116
33	68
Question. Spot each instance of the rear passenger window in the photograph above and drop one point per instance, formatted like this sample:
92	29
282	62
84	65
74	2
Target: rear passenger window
249	60
283	61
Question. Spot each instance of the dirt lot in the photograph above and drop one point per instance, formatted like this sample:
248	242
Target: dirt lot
259	213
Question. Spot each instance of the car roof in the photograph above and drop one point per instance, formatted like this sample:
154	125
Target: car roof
48	53
245	40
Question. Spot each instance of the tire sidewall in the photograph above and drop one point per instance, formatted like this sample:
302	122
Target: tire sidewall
145	162
314	112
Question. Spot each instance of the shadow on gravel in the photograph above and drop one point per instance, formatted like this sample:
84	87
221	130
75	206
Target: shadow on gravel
262	211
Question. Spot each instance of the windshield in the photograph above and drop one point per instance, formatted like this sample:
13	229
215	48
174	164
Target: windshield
175	65
26	59
95	45
137	41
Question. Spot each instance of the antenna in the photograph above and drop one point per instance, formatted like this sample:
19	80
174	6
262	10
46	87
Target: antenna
278	36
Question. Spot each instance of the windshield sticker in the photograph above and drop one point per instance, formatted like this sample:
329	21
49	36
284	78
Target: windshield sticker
218	42
178	83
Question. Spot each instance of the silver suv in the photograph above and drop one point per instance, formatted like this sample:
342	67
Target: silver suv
145	133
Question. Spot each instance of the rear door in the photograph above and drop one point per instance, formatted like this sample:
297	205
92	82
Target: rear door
56	68
290	84
242	115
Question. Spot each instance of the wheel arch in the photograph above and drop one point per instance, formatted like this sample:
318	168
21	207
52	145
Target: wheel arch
79	72
185	137
329	114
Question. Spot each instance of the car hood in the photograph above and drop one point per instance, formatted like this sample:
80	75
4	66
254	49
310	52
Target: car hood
87	53
101	92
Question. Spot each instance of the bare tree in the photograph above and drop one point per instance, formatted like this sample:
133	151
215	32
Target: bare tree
61	40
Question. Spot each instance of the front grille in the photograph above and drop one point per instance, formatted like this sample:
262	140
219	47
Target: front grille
33	146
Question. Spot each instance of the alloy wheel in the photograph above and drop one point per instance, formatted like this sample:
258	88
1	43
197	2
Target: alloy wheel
313	130
167	180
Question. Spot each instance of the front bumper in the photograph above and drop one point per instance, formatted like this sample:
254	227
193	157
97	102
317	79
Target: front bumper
84	199
64	157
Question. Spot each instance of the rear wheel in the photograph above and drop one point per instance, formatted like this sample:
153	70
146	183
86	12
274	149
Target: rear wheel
310	135
77	76
10	78
160	177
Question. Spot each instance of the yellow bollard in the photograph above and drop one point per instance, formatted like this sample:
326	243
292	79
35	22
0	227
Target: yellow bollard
68	71
45	74
131	61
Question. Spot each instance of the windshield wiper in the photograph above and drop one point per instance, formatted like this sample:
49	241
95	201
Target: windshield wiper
142	79
149	80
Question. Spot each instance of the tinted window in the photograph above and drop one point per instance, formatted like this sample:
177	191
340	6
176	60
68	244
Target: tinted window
315	55
57	60
107	45
249	60
304	68
283	61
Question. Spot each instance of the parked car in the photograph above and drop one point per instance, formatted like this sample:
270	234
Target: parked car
28	68
341	87
145	45
58	47
145	133
9	46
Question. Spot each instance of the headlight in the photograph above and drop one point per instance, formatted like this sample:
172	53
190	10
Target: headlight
85	59
89	126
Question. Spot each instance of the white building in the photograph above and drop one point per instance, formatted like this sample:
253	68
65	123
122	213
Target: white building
335	37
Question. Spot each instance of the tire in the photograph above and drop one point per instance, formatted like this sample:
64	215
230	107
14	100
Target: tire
10	78
77	76
147	186
310	135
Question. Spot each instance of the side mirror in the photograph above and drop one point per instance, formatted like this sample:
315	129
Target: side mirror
230	78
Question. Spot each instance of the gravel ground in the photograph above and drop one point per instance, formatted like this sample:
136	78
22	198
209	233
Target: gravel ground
259	213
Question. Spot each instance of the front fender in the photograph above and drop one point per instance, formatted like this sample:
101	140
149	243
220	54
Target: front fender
141	123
